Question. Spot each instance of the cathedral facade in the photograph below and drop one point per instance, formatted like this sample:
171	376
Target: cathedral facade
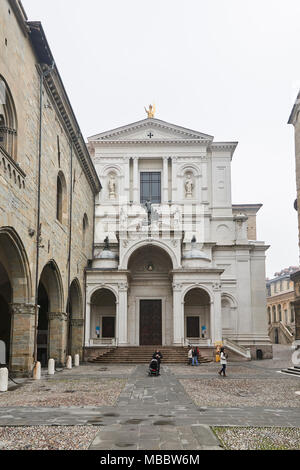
175	262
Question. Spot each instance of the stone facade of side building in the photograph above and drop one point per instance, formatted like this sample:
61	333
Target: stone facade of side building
295	121
280	306
175	262
46	223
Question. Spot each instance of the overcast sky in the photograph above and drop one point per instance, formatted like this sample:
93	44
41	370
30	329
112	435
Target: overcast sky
226	68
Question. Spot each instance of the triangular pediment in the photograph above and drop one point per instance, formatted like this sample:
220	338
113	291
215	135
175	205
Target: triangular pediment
150	130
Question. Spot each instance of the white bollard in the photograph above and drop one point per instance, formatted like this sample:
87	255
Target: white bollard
3	380
69	362
37	371
51	367
77	360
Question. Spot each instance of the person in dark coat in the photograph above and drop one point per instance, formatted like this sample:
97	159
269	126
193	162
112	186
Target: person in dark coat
158	355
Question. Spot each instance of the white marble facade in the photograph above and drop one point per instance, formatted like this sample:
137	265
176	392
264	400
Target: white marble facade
187	271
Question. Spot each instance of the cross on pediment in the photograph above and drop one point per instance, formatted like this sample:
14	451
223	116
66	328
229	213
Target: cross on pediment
150	135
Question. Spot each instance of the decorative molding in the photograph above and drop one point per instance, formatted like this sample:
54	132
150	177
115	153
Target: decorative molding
61	316
22	309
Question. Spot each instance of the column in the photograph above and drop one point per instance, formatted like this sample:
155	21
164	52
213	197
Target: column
122	315
178	315
88	325
166	180
174	179
126	183
216	315
57	345
22	338
77	325
136	180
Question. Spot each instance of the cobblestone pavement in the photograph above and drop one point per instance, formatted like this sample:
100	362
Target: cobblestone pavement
259	438
156	413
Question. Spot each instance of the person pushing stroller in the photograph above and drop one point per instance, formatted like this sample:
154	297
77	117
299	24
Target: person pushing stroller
158	356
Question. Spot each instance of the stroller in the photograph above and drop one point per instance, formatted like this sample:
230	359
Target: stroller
154	367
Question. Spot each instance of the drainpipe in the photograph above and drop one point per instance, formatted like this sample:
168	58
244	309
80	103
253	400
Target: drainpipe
43	74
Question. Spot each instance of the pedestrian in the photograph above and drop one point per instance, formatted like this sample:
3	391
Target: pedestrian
190	355
198	354
223	359
194	357
158	355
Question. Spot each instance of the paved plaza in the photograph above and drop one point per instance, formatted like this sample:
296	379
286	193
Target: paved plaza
121	408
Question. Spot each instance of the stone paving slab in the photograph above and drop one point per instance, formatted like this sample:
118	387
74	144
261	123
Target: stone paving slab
153	413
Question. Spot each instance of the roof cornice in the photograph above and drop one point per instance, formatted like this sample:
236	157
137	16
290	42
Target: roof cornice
150	142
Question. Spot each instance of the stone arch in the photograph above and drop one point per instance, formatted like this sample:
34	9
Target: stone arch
15	298
197	286
51	318
229	314
14	259
189	168
197	311
52	281
103	325
8	120
75	319
144	243
104	286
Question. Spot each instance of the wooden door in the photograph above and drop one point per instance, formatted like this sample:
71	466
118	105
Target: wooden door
150	322
108	327
193	327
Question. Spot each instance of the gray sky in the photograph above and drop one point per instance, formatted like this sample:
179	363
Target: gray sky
226	68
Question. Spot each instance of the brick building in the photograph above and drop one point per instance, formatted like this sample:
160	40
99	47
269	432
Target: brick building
48	187
280	306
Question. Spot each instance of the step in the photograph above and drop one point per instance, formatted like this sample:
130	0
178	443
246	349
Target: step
291	371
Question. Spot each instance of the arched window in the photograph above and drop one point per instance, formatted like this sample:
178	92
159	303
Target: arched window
85	225
61	199
279	313
8	121
274	313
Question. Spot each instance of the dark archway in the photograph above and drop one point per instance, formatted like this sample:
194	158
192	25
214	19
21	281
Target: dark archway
16	309
43	326
5	311
103	318
197	315
75	319
52	320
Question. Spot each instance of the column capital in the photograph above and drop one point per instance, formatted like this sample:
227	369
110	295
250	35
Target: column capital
23	309
123	287
62	316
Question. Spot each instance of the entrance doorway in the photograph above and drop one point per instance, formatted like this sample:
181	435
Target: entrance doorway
150	322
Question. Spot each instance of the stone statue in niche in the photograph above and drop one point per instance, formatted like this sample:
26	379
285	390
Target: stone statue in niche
189	187
112	187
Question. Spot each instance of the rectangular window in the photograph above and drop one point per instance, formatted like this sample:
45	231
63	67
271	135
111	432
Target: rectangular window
151	187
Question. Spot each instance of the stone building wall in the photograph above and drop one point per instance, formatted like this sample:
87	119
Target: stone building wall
20	71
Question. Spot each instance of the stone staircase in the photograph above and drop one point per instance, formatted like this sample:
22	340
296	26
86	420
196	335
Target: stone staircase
292	371
143	355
